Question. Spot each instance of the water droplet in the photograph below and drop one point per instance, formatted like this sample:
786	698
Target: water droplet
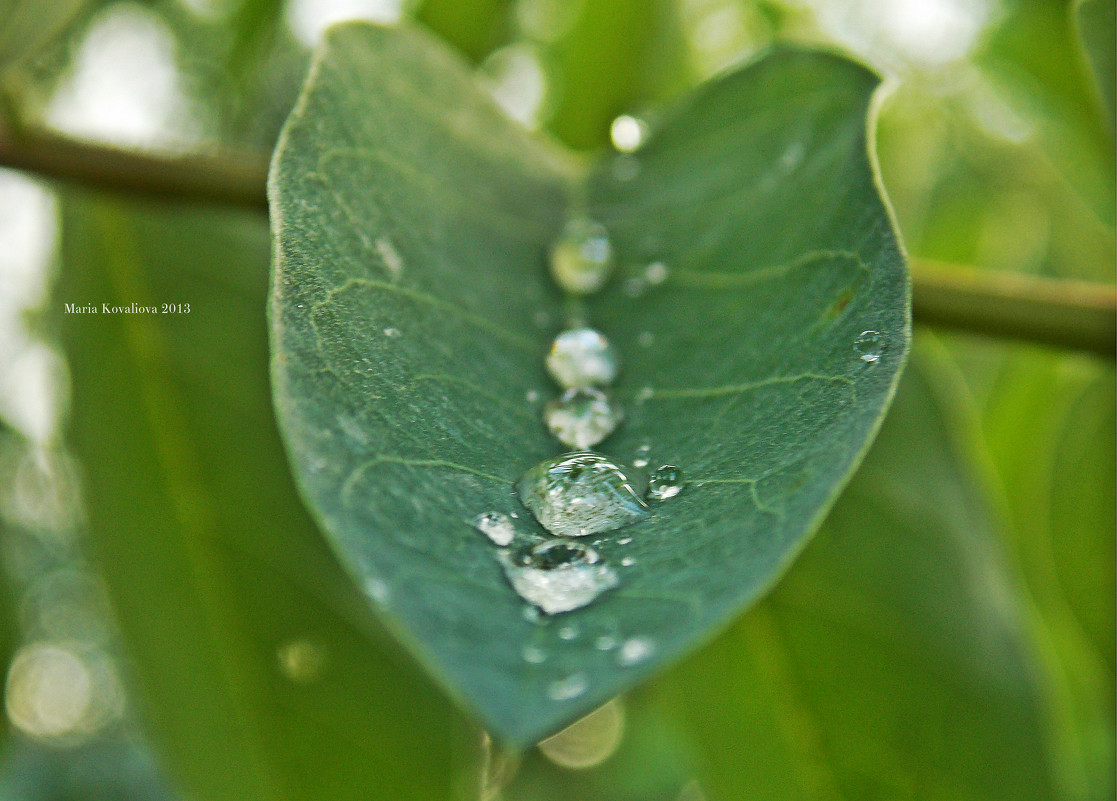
533	653
628	133
391	332
377	589
628	561
570	687
496	526
581	418
532	615
531	396
558	575
569	633
606	642
582	257
869	346
390	256
580	493
644	394
655	273
582	357
641	460
666	482
624	541
645	339
635	650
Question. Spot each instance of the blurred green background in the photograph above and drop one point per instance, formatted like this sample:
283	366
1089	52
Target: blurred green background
949	635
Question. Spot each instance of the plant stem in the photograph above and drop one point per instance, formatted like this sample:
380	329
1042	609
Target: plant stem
236	181
1067	314
1050	311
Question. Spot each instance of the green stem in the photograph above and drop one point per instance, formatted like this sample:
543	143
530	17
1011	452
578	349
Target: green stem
1067	314
1050	311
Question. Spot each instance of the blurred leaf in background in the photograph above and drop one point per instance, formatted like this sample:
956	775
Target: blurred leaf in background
994	150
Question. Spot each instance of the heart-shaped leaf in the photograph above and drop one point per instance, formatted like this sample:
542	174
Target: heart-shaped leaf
412	310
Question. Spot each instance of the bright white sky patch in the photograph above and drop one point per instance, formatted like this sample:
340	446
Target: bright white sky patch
307	19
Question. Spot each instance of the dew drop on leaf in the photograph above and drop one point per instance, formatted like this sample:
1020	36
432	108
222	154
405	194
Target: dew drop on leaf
581	418
635	650
641	460
582	257
496	526
580	493
533	654
582	357
666	482
869	346
570	687
558	575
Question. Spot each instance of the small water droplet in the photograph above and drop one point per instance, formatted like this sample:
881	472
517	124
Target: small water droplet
582	357
628	133
606	642
869	346
625	167
624	541
570	687
496	526
792	156
644	394
558	575
641	460
635	650
628	561
581	418
582	257
390	256
378	590
580	493
645	339
533	654
656	273
666	482
531	396
391	332
532	615
569	633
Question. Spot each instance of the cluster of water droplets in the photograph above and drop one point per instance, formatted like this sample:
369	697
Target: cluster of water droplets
580	493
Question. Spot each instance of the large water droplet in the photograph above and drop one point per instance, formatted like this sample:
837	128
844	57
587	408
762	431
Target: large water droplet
558	575
496	526
582	357
582	257
869	346
666	482
580	493
581	418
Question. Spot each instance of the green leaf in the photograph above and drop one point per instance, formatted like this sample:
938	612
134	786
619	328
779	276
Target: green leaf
894	659
411	227
259	669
